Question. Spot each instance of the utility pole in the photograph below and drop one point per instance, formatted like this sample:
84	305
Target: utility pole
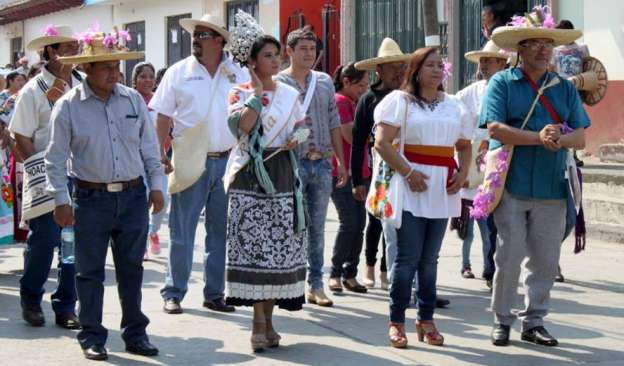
432	28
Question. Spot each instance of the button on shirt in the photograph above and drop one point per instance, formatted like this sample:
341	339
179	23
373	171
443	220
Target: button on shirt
31	117
186	95
534	171
322	115
105	141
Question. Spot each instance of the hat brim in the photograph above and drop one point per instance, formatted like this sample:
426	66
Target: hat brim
508	37
40	42
475	56
117	56
593	97
190	24
371	63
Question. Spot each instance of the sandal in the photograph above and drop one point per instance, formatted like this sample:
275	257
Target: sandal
273	339
427	332
258	340
396	335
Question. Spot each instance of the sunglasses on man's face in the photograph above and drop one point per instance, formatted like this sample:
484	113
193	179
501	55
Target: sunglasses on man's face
535	46
204	35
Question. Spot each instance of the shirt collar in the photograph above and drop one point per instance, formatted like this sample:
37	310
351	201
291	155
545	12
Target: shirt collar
516	74
86	92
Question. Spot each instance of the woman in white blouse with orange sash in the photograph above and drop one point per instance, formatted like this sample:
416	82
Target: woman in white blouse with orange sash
436	126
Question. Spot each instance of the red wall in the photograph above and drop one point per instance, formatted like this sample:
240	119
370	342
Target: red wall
312	15
607	118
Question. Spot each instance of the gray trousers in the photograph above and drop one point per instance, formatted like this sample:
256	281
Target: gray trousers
532	229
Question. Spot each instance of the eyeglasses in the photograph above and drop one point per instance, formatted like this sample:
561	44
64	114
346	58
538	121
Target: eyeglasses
204	35
534	46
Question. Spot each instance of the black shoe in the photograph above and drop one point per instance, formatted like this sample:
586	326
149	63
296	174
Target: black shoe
143	348
353	286
219	305
559	277
172	306
442	303
33	315
500	335
67	321
539	335
96	352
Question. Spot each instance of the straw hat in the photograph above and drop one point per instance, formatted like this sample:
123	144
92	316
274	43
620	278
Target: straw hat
389	51
489	50
206	20
52	34
537	24
592	82
96	46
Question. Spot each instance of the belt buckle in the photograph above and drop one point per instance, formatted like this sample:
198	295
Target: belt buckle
114	187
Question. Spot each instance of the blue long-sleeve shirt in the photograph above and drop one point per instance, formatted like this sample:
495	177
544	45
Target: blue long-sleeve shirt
104	141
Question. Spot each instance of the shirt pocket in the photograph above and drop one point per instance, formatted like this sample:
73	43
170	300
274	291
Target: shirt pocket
130	128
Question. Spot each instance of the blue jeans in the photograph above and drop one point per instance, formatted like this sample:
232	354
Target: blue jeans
44	237
156	219
390	236
418	246
488	267
186	206
316	178
350	237
119	219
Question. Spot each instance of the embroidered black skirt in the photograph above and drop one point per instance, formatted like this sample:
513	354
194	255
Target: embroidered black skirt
266	258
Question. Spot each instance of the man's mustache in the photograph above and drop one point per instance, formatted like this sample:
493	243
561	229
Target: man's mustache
197	44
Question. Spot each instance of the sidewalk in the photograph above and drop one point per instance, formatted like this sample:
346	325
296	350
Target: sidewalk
587	317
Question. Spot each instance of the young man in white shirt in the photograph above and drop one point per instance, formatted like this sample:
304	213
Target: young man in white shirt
30	127
192	99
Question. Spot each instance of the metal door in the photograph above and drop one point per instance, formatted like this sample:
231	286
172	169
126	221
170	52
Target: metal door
178	40
137	43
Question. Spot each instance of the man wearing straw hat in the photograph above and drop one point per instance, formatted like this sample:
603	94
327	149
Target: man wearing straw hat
389	66
192	99
31	127
531	215
103	128
490	60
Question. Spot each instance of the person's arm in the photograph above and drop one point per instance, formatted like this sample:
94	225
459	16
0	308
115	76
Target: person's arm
24	145
151	159
385	134
56	157
464	154
336	138
362	128
24	124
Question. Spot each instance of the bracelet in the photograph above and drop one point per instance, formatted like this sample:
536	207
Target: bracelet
406	176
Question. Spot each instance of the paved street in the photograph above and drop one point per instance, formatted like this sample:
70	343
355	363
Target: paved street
588	318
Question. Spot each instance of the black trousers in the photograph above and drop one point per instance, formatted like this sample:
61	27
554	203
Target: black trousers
348	244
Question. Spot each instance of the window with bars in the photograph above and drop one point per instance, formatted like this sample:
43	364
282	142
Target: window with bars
248	6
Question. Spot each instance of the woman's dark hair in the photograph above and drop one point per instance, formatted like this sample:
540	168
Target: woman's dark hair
415	63
565	24
138	69
261	42
347	71
159	76
10	78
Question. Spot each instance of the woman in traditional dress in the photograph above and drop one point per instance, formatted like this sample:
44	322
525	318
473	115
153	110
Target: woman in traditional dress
435	125
266	239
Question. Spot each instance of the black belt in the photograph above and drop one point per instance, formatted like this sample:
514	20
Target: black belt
218	155
109	187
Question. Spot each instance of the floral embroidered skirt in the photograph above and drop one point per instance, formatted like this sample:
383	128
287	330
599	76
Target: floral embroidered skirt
266	258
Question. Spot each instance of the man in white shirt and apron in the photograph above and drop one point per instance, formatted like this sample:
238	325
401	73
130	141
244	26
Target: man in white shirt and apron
192	99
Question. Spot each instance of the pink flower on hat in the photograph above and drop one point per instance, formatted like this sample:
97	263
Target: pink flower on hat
109	41
125	35
51	31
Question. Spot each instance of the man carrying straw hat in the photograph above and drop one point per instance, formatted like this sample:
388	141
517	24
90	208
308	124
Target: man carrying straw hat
192	100
490	60
532	213
103	128
30	125
389	66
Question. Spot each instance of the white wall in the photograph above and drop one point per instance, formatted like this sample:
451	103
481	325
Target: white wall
155	17
116	13
604	34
